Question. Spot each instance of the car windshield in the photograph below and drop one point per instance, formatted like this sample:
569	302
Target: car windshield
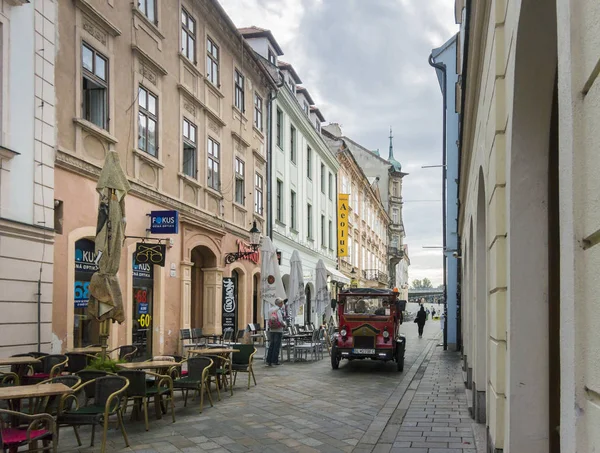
367	305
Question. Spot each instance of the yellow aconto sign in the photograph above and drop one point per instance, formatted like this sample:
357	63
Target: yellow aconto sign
343	224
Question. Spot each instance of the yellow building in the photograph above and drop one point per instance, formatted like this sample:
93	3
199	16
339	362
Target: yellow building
529	221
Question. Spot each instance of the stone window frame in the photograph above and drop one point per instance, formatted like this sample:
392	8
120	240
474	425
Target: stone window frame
239	90
187	33
211	159
93	77
214	60
259	184
192	144
239	164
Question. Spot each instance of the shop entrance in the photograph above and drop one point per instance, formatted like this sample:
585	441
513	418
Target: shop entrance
142	306
85	329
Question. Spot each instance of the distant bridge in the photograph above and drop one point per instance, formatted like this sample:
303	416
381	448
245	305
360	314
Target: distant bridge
431	295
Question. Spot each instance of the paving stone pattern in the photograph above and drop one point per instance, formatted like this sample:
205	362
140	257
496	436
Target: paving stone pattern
365	406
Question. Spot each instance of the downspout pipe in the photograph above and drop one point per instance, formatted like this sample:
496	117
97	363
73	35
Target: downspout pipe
442	68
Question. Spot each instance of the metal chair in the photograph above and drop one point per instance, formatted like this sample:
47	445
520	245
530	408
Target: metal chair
126	352
198	340
140	392
40	427
185	335
241	362
109	392
51	365
90	375
8	379
196	380
77	361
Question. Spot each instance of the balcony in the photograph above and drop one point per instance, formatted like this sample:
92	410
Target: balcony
395	252
396	200
375	275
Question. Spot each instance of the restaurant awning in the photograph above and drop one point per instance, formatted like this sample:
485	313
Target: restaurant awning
337	276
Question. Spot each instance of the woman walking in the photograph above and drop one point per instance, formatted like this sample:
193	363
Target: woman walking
276	324
421	319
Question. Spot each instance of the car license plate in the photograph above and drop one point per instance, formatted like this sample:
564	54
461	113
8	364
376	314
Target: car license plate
364	351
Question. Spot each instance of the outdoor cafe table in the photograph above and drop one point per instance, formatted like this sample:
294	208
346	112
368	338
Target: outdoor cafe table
219	351
19	392
90	350
20	362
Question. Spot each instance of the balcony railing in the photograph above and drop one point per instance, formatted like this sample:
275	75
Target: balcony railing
395	252
376	276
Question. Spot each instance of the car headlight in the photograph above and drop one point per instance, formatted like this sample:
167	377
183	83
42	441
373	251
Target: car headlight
343	332
386	334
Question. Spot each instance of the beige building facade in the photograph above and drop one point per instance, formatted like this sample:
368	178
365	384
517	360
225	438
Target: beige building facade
175	90
529	221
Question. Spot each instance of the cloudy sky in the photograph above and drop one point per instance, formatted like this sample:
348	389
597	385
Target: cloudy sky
365	64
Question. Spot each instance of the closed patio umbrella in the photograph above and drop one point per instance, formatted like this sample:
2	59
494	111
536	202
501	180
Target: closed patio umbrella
322	298
297	296
271	282
106	299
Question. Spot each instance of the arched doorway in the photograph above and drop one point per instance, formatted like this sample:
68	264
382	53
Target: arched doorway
533	380
308	306
481	300
203	307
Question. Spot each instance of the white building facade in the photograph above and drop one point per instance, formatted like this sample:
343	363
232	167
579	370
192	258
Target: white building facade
303	178
27	124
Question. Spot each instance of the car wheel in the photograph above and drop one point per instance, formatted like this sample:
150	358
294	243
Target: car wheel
335	358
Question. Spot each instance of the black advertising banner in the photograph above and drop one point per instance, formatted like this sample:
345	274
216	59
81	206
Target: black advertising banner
229	304
146	253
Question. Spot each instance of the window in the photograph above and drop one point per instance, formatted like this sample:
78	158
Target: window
293	210
258	194
212	62
272	58
330	235
240	173
95	86
323	244
188	36
190	156
355	201
147	121
395	190
148	9
279	206
258	112
395	215
308	162
330	186
323	178
306	108
214	173
318	125
279	128
293	144
291	84
239	91
309	233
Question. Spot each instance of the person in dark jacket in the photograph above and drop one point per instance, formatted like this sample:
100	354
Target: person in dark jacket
421	319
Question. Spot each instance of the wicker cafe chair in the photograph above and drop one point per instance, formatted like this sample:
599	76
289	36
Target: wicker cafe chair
241	362
126	352
90	375
8	379
196	380
40	427
109	391
140	392
77	361
51	365
218	372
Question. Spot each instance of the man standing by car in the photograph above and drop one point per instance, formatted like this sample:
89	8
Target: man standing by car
276	324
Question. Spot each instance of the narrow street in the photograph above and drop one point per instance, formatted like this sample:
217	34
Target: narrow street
364	406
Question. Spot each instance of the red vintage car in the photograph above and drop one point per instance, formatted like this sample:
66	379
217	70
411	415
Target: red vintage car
369	326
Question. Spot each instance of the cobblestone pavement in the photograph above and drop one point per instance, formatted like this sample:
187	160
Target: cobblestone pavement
365	406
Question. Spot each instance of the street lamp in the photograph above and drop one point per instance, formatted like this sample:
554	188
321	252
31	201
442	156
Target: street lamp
254	244
353	281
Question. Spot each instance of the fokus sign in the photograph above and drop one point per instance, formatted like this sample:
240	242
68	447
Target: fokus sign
164	222
342	224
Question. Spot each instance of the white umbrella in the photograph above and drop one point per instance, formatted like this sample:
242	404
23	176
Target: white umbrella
271	282
322	298
297	296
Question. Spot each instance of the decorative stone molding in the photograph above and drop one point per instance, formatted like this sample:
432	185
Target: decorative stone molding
191	96
97	17
147	58
213	127
95	130
93	30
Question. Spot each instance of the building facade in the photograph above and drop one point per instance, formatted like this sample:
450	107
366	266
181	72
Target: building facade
176	91
444	61
529	221
27	140
303	177
368	221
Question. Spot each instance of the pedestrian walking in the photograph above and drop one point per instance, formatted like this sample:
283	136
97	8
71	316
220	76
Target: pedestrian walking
421	319
276	324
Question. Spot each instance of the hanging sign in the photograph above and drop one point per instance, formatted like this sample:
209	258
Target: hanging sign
243	247
342	224
164	222
229	303
146	253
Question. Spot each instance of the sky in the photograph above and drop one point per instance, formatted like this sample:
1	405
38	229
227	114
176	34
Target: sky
365	64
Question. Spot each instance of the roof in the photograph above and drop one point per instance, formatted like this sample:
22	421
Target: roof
257	32
317	112
304	91
288	67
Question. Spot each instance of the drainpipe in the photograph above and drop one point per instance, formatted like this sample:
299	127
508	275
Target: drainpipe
442	68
